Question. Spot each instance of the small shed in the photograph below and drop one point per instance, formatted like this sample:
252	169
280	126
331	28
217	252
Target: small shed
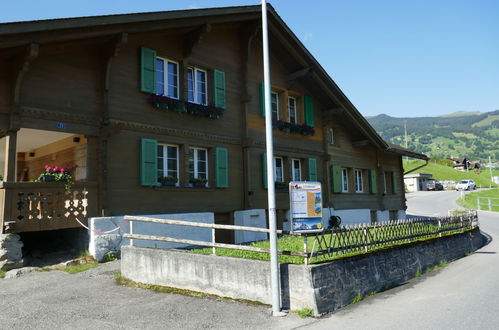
416	181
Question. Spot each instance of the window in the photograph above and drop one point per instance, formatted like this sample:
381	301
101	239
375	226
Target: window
331	135
196	86
292	110
344	180
198	163
167	161
384	183
358	181
275	106
296	170
278	169
166	78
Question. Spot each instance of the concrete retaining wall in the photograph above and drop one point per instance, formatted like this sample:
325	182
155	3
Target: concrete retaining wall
323	287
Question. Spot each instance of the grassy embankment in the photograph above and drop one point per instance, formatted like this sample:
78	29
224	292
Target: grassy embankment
442	172
470	200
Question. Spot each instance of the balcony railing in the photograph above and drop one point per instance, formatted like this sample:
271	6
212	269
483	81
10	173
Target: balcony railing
37	206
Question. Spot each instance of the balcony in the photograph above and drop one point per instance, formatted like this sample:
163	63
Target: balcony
39	206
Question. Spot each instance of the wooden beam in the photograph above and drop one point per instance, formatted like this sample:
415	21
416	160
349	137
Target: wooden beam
192	38
31	52
360	143
10	157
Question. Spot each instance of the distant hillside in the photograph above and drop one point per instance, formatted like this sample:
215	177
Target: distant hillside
463	134
442	173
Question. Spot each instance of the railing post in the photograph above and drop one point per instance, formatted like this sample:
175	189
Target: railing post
305	248
365	238
439	228
131	232
213	249
490	203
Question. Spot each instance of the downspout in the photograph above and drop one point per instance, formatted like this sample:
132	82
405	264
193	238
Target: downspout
417	168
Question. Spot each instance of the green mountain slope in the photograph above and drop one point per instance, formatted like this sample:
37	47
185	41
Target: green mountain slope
442	172
472	135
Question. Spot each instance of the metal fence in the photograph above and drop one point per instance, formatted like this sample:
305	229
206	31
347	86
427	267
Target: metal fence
332	243
487	203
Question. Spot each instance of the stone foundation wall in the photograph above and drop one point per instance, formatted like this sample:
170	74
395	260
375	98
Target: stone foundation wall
322	287
11	255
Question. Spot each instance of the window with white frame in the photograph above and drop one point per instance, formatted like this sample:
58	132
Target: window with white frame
296	169
358	181
198	164
197	89
168	161
344	179
166	78
275	106
292	110
278	169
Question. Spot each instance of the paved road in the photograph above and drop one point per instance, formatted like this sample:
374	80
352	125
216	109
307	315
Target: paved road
463	295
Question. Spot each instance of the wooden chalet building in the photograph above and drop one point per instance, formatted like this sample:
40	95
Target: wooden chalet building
134	98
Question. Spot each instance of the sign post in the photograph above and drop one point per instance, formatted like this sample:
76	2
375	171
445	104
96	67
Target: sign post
306	206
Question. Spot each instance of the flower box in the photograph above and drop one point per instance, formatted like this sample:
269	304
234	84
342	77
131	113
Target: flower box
168	103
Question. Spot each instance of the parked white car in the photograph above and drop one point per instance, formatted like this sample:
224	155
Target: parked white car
466	185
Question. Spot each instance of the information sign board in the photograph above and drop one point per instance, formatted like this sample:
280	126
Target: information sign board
306	206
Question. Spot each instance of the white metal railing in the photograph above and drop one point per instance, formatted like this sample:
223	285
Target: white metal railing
489	202
213	244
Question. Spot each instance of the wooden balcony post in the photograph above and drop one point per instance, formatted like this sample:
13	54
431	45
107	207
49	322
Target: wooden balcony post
10	156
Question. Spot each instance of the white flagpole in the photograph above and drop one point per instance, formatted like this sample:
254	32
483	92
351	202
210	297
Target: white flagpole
274	264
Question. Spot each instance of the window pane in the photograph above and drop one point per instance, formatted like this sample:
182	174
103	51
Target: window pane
172	165
202	155
292	110
160	77
160	161
172	80
278	170
201	86
172	152
190	85
275	106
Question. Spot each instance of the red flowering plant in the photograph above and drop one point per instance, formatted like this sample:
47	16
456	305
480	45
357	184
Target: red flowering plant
56	173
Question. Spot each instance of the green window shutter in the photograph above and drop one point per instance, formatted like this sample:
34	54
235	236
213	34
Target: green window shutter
147	70
309	110
394	183
222	168
262	100
312	169
373	183
264	169
148	162
335	178
219	83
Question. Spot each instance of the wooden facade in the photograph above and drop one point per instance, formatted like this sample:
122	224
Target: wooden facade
91	77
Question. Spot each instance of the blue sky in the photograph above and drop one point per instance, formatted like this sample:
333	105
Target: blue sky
402	58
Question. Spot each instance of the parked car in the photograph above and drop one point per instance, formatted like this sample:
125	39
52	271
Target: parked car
434	185
466	185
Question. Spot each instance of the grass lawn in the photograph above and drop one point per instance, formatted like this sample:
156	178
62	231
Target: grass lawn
442	172
348	242
470	200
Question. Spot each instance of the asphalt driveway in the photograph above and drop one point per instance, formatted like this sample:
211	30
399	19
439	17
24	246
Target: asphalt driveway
92	300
